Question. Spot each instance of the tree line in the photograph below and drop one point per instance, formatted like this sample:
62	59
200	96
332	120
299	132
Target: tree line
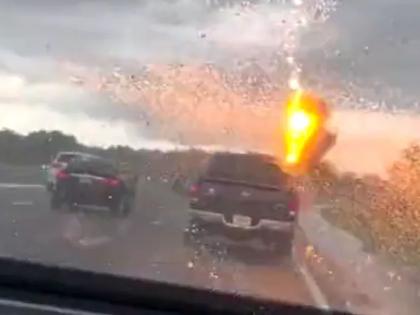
40	147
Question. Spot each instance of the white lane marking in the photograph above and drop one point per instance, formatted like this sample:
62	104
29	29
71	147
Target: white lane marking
48	308
94	241
313	287
27	186
23	203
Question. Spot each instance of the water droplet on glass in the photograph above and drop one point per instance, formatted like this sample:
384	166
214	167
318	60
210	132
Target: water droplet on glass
366	49
213	275
294	84
202	34
290	60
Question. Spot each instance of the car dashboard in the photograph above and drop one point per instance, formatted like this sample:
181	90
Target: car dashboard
32	288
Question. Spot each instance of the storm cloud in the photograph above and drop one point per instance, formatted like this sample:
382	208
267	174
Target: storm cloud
38	40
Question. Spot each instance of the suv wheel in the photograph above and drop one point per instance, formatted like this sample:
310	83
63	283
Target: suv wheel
49	187
56	201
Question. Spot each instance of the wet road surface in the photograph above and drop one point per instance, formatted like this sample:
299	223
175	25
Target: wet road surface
148	243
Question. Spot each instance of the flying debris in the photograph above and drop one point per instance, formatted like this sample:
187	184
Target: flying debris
306	139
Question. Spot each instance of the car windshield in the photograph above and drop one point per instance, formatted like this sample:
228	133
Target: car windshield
113	112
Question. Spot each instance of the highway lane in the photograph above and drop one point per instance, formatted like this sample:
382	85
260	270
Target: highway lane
148	243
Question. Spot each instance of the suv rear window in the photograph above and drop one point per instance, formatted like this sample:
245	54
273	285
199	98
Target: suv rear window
92	166
249	168
65	157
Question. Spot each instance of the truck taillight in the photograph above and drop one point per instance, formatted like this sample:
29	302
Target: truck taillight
194	189
112	182
293	204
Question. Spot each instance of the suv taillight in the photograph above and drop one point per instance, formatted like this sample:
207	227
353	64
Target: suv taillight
62	175
56	164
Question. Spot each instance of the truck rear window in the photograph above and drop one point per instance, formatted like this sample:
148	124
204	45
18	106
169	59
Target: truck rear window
253	169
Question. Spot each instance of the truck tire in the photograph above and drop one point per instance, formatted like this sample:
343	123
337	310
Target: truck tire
123	207
283	245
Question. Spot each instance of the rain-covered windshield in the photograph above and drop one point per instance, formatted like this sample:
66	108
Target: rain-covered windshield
327	90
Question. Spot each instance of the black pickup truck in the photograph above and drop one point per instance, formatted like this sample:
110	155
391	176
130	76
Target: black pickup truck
243	197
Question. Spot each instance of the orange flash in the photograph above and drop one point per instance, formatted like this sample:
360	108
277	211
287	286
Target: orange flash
304	131
302	123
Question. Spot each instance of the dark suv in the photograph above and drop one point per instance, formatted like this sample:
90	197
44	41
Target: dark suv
92	182
242	197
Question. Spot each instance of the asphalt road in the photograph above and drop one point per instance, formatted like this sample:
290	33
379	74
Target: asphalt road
148	243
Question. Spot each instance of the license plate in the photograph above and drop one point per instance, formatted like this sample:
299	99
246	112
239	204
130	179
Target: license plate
85	180
241	221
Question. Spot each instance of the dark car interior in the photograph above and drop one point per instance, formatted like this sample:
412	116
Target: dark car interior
31	288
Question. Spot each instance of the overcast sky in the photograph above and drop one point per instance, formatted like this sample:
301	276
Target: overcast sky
364	41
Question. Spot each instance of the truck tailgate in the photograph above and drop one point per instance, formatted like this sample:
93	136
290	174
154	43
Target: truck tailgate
232	197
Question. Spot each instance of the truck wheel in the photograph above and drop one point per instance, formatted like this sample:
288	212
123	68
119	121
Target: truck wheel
127	205
123	207
283	245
